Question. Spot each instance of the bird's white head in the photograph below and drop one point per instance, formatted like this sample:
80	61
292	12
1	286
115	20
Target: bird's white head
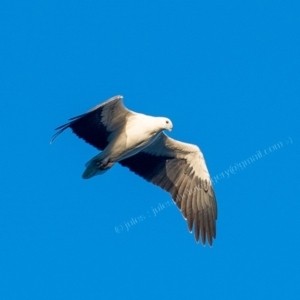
166	124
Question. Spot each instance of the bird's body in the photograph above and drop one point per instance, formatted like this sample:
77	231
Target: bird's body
137	141
138	133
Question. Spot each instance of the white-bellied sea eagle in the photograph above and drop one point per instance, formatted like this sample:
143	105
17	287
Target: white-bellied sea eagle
137	141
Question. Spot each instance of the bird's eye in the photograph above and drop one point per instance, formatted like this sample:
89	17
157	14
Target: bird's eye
167	122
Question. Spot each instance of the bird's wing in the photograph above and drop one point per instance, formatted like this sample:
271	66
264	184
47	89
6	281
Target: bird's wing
96	126
180	169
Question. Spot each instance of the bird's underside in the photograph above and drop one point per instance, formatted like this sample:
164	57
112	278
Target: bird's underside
179	168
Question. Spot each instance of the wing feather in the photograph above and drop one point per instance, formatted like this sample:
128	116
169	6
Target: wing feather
180	169
96	126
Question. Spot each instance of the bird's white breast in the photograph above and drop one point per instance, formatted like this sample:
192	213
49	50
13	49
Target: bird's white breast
139	132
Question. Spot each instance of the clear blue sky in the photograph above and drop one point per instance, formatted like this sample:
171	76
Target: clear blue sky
227	73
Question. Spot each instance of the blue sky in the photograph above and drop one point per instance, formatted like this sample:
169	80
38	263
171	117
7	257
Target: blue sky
226	73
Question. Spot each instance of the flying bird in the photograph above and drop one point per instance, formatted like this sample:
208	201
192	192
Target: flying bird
138	142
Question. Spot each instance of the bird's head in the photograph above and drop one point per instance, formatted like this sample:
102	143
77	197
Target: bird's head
166	124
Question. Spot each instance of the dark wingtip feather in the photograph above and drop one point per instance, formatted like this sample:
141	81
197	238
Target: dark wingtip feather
60	130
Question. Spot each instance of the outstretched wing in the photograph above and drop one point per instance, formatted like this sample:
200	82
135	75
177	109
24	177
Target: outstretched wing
180	169
97	124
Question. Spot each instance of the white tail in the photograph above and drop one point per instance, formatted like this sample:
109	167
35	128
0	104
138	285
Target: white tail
93	167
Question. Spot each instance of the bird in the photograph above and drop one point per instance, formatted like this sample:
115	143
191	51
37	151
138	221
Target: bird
138	142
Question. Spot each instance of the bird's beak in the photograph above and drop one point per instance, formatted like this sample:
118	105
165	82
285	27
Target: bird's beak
170	129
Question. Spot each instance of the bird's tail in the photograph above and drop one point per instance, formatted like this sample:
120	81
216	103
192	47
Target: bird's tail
96	166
